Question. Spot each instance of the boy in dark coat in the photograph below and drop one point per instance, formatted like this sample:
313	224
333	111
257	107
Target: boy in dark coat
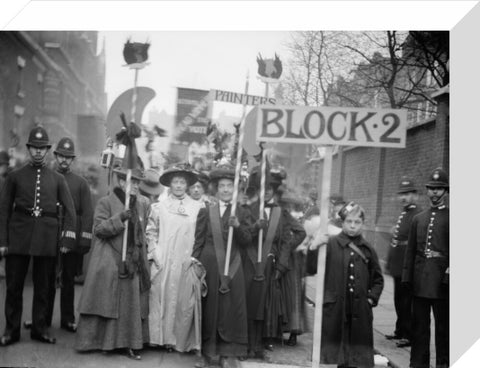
353	284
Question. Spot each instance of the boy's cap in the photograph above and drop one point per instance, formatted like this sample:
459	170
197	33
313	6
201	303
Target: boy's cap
346	209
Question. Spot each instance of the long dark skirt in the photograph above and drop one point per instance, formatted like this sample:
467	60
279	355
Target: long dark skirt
293	290
276	317
129	330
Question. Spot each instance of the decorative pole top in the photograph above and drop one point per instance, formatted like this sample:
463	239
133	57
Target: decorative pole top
136	54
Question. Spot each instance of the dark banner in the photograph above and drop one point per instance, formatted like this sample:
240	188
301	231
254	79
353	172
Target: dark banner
191	118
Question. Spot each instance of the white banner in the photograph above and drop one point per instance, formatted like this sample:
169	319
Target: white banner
342	126
240	98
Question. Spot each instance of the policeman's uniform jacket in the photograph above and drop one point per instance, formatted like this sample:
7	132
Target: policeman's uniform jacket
398	245
427	256
82	200
28	212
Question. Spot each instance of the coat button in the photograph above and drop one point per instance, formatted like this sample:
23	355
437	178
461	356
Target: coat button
351	277
351	264
351	290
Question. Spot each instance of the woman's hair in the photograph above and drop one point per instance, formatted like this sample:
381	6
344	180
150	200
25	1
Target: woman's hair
351	208
179	175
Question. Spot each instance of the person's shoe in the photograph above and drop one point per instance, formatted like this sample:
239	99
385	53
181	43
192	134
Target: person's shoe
46	338
223	362
6	340
69	326
259	355
292	340
202	362
132	354
403	343
27	325
393	336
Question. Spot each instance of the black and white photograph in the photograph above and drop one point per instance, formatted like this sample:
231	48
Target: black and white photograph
264	197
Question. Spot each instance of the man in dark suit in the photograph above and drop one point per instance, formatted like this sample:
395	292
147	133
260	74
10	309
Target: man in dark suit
29	228
408	197
426	269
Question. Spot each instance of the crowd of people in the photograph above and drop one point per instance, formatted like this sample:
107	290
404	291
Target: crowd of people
185	269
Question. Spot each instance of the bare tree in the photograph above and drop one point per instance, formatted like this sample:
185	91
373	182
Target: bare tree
317	60
430	50
362	69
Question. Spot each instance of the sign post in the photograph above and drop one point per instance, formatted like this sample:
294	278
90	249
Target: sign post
322	255
329	126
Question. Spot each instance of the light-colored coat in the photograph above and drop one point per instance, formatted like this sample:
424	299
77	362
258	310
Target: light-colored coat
170	236
188	320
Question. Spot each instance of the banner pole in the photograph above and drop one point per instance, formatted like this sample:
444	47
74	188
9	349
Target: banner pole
128	185
236	182
261	206
322	253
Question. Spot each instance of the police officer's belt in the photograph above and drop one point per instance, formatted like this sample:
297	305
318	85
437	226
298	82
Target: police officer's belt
427	253
399	242
34	213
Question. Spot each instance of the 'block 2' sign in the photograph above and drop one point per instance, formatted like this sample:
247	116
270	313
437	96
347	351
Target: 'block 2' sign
342	126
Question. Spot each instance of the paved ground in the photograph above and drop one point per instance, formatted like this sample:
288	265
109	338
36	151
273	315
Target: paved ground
27	353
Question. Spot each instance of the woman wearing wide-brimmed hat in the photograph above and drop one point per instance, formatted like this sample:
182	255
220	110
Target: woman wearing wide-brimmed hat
224	313
170	233
114	303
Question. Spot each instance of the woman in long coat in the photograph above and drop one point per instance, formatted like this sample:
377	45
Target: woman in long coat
224	310
114	303
353	284
170	235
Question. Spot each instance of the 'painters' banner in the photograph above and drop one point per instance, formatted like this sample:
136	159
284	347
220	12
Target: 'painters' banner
240	98
342	126
191	117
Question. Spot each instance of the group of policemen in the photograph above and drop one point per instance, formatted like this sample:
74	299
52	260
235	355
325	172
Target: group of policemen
54	206
45	216
418	261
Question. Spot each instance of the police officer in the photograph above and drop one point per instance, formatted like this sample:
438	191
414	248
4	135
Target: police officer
408	197
426	268
29	229
82	200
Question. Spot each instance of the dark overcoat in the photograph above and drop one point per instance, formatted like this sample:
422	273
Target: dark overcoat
429	230
100	294
256	290
82	200
398	245
29	187
222	314
353	347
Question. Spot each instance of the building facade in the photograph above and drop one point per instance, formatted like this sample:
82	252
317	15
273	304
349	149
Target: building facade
55	79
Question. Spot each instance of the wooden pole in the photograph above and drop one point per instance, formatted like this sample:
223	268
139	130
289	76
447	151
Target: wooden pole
128	185
236	182
261	206
322	253
262	202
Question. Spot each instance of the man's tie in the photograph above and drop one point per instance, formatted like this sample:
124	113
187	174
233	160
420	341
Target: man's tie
226	206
